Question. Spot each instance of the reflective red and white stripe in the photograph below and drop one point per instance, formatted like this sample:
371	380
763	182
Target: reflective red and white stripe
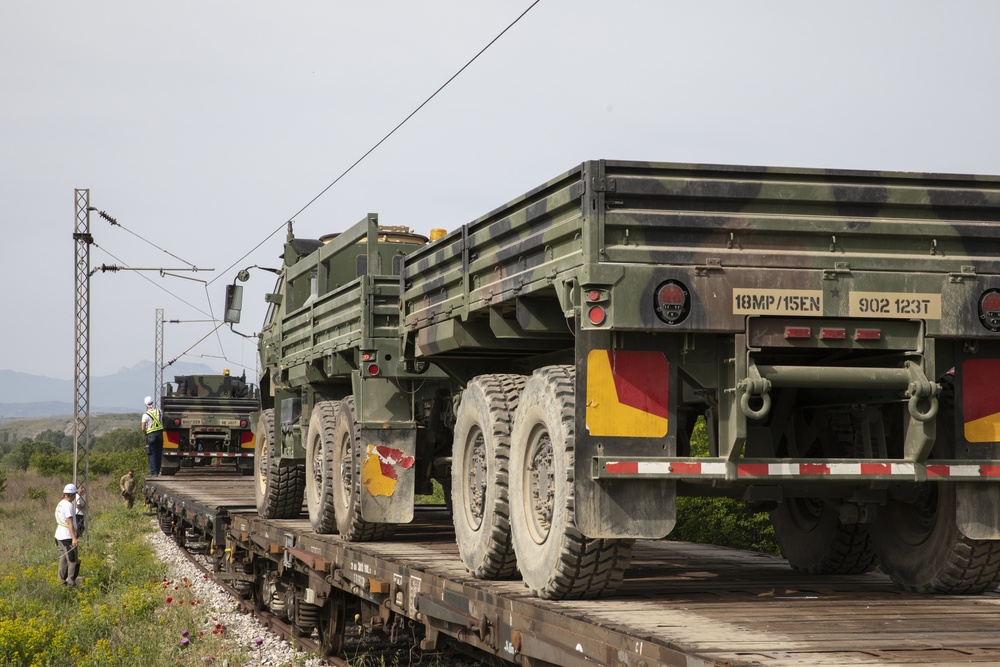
201	454
853	469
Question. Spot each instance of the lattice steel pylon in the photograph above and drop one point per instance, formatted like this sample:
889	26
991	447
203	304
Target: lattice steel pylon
81	399
158	356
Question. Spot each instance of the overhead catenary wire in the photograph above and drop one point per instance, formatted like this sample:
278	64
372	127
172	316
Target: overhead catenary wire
153	282
378	143
114	223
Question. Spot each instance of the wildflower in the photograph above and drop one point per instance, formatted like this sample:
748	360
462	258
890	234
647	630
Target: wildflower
184	633
169	600
258	641
185	641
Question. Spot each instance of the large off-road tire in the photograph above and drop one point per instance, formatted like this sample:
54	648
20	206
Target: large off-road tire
921	548
347	461
278	489
555	559
479	475
813	539
319	467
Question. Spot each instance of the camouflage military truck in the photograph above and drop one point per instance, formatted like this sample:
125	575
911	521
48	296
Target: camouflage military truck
346	421
837	331
206	420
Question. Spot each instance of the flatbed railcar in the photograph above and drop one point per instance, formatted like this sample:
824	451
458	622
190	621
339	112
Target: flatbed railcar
680	604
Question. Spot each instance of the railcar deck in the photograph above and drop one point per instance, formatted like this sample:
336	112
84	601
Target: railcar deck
681	603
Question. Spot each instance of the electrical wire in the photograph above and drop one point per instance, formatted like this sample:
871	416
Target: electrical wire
153	282
379	143
114	223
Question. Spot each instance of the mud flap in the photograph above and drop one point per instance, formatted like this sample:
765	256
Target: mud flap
388	474
978	510
977	436
626	406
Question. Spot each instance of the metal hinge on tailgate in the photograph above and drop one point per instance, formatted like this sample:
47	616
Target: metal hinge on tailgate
601	184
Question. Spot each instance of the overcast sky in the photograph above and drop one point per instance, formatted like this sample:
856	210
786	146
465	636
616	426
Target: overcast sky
203	126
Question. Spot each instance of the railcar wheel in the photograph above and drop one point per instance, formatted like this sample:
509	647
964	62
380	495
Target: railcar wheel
347	480
921	548
278	489
319	467
166	523
555	559
813	539
479	475
333	624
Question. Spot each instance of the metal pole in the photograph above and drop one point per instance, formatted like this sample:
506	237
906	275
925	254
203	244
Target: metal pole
81	398
158	359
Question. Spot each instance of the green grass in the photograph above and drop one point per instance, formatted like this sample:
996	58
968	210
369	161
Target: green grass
124	611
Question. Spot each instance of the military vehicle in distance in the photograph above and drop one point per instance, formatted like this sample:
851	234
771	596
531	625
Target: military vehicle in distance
206	421
837	331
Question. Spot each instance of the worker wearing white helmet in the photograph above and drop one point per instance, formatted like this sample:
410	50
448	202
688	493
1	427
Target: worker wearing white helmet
152	426
66	538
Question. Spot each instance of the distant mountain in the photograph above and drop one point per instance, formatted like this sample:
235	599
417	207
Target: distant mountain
24	396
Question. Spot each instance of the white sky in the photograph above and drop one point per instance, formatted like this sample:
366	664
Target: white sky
202	126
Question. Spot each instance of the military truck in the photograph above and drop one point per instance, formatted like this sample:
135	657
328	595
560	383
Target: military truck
837	333
206	421
345	418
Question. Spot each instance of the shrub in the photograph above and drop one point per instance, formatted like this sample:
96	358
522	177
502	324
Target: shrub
722	521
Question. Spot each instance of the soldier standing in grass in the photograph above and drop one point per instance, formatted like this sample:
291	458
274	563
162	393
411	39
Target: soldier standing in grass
127	484
153	429
66	538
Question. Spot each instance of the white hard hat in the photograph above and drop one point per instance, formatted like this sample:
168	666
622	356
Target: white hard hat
69	488
149	400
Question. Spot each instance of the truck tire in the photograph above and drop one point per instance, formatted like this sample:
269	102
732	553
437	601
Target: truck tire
347	480
813	539
319	467
278	489
479	475
556	561
921	548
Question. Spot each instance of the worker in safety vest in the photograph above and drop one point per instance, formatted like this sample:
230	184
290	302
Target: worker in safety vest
66	538
153	428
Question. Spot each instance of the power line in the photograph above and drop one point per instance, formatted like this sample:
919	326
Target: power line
114	223
379	143
158	285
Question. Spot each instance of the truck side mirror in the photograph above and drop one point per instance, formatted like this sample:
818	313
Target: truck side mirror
234	303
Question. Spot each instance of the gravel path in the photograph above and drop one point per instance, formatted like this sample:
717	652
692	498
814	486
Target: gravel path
241	628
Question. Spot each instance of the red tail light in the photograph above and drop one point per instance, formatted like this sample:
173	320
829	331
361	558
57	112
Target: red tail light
798	333
373	369
672	302
244	423
177	422
868	334
597	315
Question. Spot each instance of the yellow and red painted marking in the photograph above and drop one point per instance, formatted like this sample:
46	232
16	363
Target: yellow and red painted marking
981	400
378	472
628	393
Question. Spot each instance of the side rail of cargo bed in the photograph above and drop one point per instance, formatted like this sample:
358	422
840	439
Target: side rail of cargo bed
504	281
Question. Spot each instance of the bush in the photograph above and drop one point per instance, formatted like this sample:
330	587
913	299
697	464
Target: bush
3	481
59	464
722	521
